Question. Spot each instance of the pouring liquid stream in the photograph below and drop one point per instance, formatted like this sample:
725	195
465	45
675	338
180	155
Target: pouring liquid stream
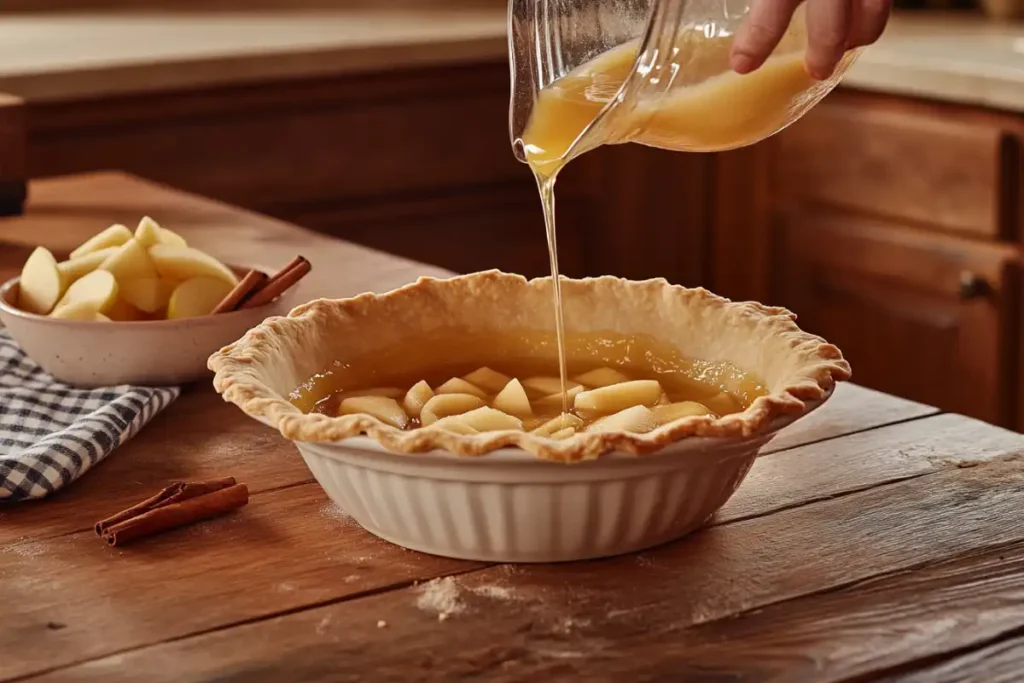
723	111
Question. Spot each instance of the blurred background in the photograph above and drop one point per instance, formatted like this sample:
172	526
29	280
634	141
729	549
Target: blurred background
888	218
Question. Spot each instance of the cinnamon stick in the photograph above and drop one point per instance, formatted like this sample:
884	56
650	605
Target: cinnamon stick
280	282
179	504
248	285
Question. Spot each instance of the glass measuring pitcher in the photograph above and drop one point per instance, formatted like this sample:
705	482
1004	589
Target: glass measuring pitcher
655	72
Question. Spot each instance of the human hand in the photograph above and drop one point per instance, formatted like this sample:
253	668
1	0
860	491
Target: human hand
833	27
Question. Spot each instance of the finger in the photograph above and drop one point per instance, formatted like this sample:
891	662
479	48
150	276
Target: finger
760	33
828	29
869	20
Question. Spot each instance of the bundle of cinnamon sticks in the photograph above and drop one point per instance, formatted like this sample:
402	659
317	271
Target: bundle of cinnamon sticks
259	289
177	505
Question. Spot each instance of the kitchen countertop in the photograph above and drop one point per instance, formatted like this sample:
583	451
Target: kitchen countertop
874	539
954	58
68	55
958	58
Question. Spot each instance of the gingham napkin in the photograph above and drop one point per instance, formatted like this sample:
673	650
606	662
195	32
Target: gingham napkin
51	433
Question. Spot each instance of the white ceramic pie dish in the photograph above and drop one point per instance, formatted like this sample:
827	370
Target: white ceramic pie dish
511	496
511	506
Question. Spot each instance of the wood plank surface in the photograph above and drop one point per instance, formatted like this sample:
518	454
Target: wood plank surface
874	629
286	550
864	460
608	619
1001	662
73	578
851	408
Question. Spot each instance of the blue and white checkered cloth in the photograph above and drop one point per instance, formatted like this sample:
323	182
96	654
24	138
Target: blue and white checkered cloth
52	433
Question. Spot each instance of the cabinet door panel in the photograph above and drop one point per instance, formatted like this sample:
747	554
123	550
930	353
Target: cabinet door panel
927	317
466	232
900	160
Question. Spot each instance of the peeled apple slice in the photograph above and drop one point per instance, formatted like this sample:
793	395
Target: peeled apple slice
148	294
460	386
455	425
98	288
390	392
638	419
601	377
172	239
72	269
383	408
487	379
554	401
512	400
723	403
674	411
490	420
417	397
40	285
545	386
130	262
114	236
196	297
616	397
185	263
83	310
563	434
443	405
557	424
148	232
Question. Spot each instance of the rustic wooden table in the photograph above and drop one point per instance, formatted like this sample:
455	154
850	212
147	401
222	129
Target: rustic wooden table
875	540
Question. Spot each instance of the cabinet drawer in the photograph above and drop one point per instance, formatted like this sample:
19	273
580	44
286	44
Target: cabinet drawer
899	160
927	317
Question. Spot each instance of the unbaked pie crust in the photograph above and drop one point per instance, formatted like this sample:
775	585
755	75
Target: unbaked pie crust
259	372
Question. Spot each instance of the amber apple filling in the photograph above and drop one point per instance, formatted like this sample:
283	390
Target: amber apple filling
511	382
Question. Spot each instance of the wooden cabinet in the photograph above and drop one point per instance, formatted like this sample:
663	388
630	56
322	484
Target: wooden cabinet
929	318
891	228
416	162
910	162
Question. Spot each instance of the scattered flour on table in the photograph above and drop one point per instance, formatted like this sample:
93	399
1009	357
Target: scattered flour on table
441	596
568	624
331	511
444	596
495	592
22	548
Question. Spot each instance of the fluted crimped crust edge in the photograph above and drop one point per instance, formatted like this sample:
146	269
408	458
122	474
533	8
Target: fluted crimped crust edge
812	367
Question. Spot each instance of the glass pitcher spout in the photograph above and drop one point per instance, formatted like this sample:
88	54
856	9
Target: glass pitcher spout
655	72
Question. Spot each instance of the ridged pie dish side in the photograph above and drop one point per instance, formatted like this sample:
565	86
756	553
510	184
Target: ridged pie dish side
258	372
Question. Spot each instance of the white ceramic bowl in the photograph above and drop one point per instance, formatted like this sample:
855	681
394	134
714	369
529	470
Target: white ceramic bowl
510	506
144	353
